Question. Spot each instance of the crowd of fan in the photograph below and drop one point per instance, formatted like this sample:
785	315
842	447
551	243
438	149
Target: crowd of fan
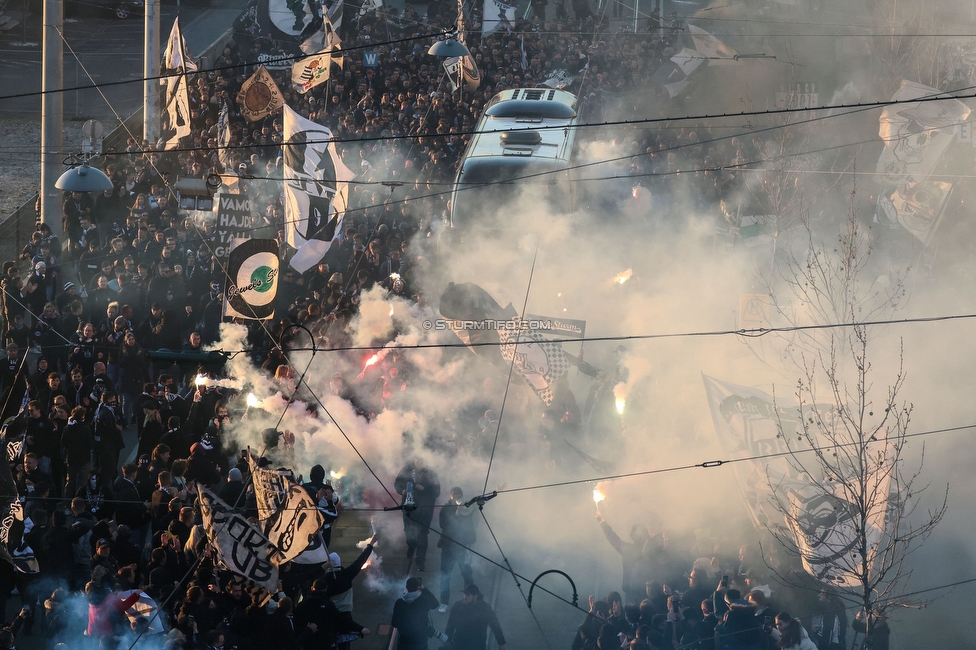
133	274
718	601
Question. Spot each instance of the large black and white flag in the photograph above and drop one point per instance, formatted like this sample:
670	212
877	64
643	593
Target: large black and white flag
316	189
288	20
251	284
563	75
240	546
176	59
290	517
674	74
753	428
916	134
316	553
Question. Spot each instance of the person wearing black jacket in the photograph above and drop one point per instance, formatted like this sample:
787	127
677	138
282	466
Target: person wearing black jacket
320	623
130	508
199	467
419	487
469	620
410	615
338	579
108	436
42	438
76	446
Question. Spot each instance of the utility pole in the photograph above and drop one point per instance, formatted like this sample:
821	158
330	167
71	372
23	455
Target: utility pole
150	69
52	115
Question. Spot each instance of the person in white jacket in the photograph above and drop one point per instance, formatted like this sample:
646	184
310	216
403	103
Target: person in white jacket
792	636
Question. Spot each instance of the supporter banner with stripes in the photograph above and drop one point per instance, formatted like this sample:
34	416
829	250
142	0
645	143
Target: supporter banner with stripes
322	49
251	284
241	548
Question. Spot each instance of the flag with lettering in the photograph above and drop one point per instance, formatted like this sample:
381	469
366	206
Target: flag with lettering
240	546
251	284
259	96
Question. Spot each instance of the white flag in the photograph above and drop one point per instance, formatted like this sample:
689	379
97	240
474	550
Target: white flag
370	5
241	547
178	113
452	68
176	58
290	517
316	189
916	134
323	48
497	15
718	53
223	137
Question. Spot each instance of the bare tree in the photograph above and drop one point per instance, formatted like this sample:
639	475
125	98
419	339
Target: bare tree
853	500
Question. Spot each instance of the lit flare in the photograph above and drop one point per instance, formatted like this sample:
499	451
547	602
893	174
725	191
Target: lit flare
623	276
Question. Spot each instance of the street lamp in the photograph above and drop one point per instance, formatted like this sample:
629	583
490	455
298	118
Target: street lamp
449	47
84	178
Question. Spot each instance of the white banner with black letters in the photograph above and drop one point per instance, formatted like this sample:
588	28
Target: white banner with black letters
240	546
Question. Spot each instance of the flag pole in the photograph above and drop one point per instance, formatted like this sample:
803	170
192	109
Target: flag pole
150	67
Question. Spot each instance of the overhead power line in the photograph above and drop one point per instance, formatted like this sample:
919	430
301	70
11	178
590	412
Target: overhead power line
755	332
295	57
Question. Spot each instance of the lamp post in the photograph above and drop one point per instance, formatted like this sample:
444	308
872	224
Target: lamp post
150	70
52	115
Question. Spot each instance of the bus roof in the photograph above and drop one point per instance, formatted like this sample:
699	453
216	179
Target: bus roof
506	128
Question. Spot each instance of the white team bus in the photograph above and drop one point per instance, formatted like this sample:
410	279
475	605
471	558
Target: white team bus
510	151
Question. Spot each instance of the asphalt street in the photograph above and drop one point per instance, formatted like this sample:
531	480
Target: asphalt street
99	44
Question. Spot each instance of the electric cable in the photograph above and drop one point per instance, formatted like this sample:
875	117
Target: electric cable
511	368
709	464
514	575
851	108
757	332
296	57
